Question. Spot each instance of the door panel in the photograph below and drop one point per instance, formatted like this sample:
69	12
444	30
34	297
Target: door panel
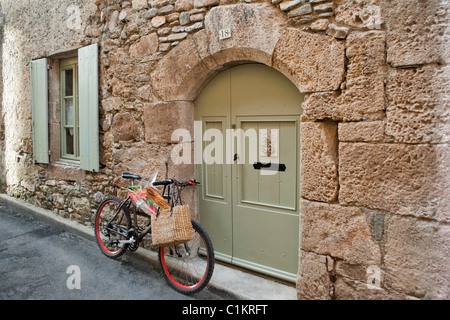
265	213
270	187
213	156
251	211
215	206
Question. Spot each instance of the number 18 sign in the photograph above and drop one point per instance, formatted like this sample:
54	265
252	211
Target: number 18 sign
225	34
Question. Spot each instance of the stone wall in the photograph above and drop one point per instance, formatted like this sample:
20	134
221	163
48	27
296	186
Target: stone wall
31	31
375	129
375	226
2	126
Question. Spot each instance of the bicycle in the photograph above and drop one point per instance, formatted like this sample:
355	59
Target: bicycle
187	268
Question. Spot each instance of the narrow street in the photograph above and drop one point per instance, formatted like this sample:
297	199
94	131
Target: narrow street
43	262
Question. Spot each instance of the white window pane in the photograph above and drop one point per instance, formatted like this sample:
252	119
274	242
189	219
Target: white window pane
69	112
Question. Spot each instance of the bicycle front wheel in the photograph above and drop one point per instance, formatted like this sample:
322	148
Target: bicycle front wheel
188	267
111	227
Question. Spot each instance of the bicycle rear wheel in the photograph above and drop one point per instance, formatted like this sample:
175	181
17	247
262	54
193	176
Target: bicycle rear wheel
111	227
188	267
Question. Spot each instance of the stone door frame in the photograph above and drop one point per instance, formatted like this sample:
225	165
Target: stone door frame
315	63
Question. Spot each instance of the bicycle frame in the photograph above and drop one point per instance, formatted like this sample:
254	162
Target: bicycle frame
187	267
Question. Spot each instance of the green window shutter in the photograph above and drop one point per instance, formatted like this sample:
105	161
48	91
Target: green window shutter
88	107
39	106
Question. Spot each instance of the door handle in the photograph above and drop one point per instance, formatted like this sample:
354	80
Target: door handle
269	166
235	157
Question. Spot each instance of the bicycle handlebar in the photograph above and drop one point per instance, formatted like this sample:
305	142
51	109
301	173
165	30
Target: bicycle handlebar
163	183
191	182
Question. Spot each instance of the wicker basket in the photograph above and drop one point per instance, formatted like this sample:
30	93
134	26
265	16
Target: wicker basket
170	229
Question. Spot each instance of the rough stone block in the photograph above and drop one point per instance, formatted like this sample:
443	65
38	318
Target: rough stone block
349	289
300	11
418	31
398	178
201	43
205	3
177	75
313	282
177	36
419	104
337	32
360	13
313	62
286	6
126	128
250	37
145	47
364	94
372	131
324	7
161	119
322	105
341	232
139	4
158	21
184	5
365	72
65	171
144	93
417	257
140	158
319	178
80	205
185	18
59	200
320	25
112	103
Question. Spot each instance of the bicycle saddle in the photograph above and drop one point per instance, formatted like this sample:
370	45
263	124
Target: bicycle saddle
126	175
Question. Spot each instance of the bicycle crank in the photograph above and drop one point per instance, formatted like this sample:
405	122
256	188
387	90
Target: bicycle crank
131	240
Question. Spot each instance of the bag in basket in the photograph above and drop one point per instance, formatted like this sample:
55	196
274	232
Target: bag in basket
172	228
157	197
142	200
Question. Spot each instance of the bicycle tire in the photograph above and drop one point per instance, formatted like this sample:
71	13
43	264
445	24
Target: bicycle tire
178	269
122	223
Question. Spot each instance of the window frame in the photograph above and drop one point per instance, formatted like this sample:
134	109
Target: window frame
45	82
64	65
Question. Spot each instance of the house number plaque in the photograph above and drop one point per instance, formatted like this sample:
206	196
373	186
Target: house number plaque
224	34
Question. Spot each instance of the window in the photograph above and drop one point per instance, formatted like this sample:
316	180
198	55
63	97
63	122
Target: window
79	127
70	128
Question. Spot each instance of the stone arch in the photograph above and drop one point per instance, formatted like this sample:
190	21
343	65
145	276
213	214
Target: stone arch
255	28
259	33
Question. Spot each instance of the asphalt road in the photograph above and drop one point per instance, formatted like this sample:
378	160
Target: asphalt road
43	262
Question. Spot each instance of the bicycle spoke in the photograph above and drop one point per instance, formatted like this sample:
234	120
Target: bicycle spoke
186	269
111	226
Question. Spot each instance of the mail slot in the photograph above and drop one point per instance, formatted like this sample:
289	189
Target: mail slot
269	166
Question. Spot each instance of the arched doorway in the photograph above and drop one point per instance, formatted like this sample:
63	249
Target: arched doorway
250	118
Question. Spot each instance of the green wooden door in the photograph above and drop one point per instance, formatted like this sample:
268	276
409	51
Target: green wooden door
249	198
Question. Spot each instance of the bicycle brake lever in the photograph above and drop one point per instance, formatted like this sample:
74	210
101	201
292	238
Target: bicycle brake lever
193	182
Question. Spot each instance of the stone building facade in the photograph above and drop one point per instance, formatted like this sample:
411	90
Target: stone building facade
374	132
